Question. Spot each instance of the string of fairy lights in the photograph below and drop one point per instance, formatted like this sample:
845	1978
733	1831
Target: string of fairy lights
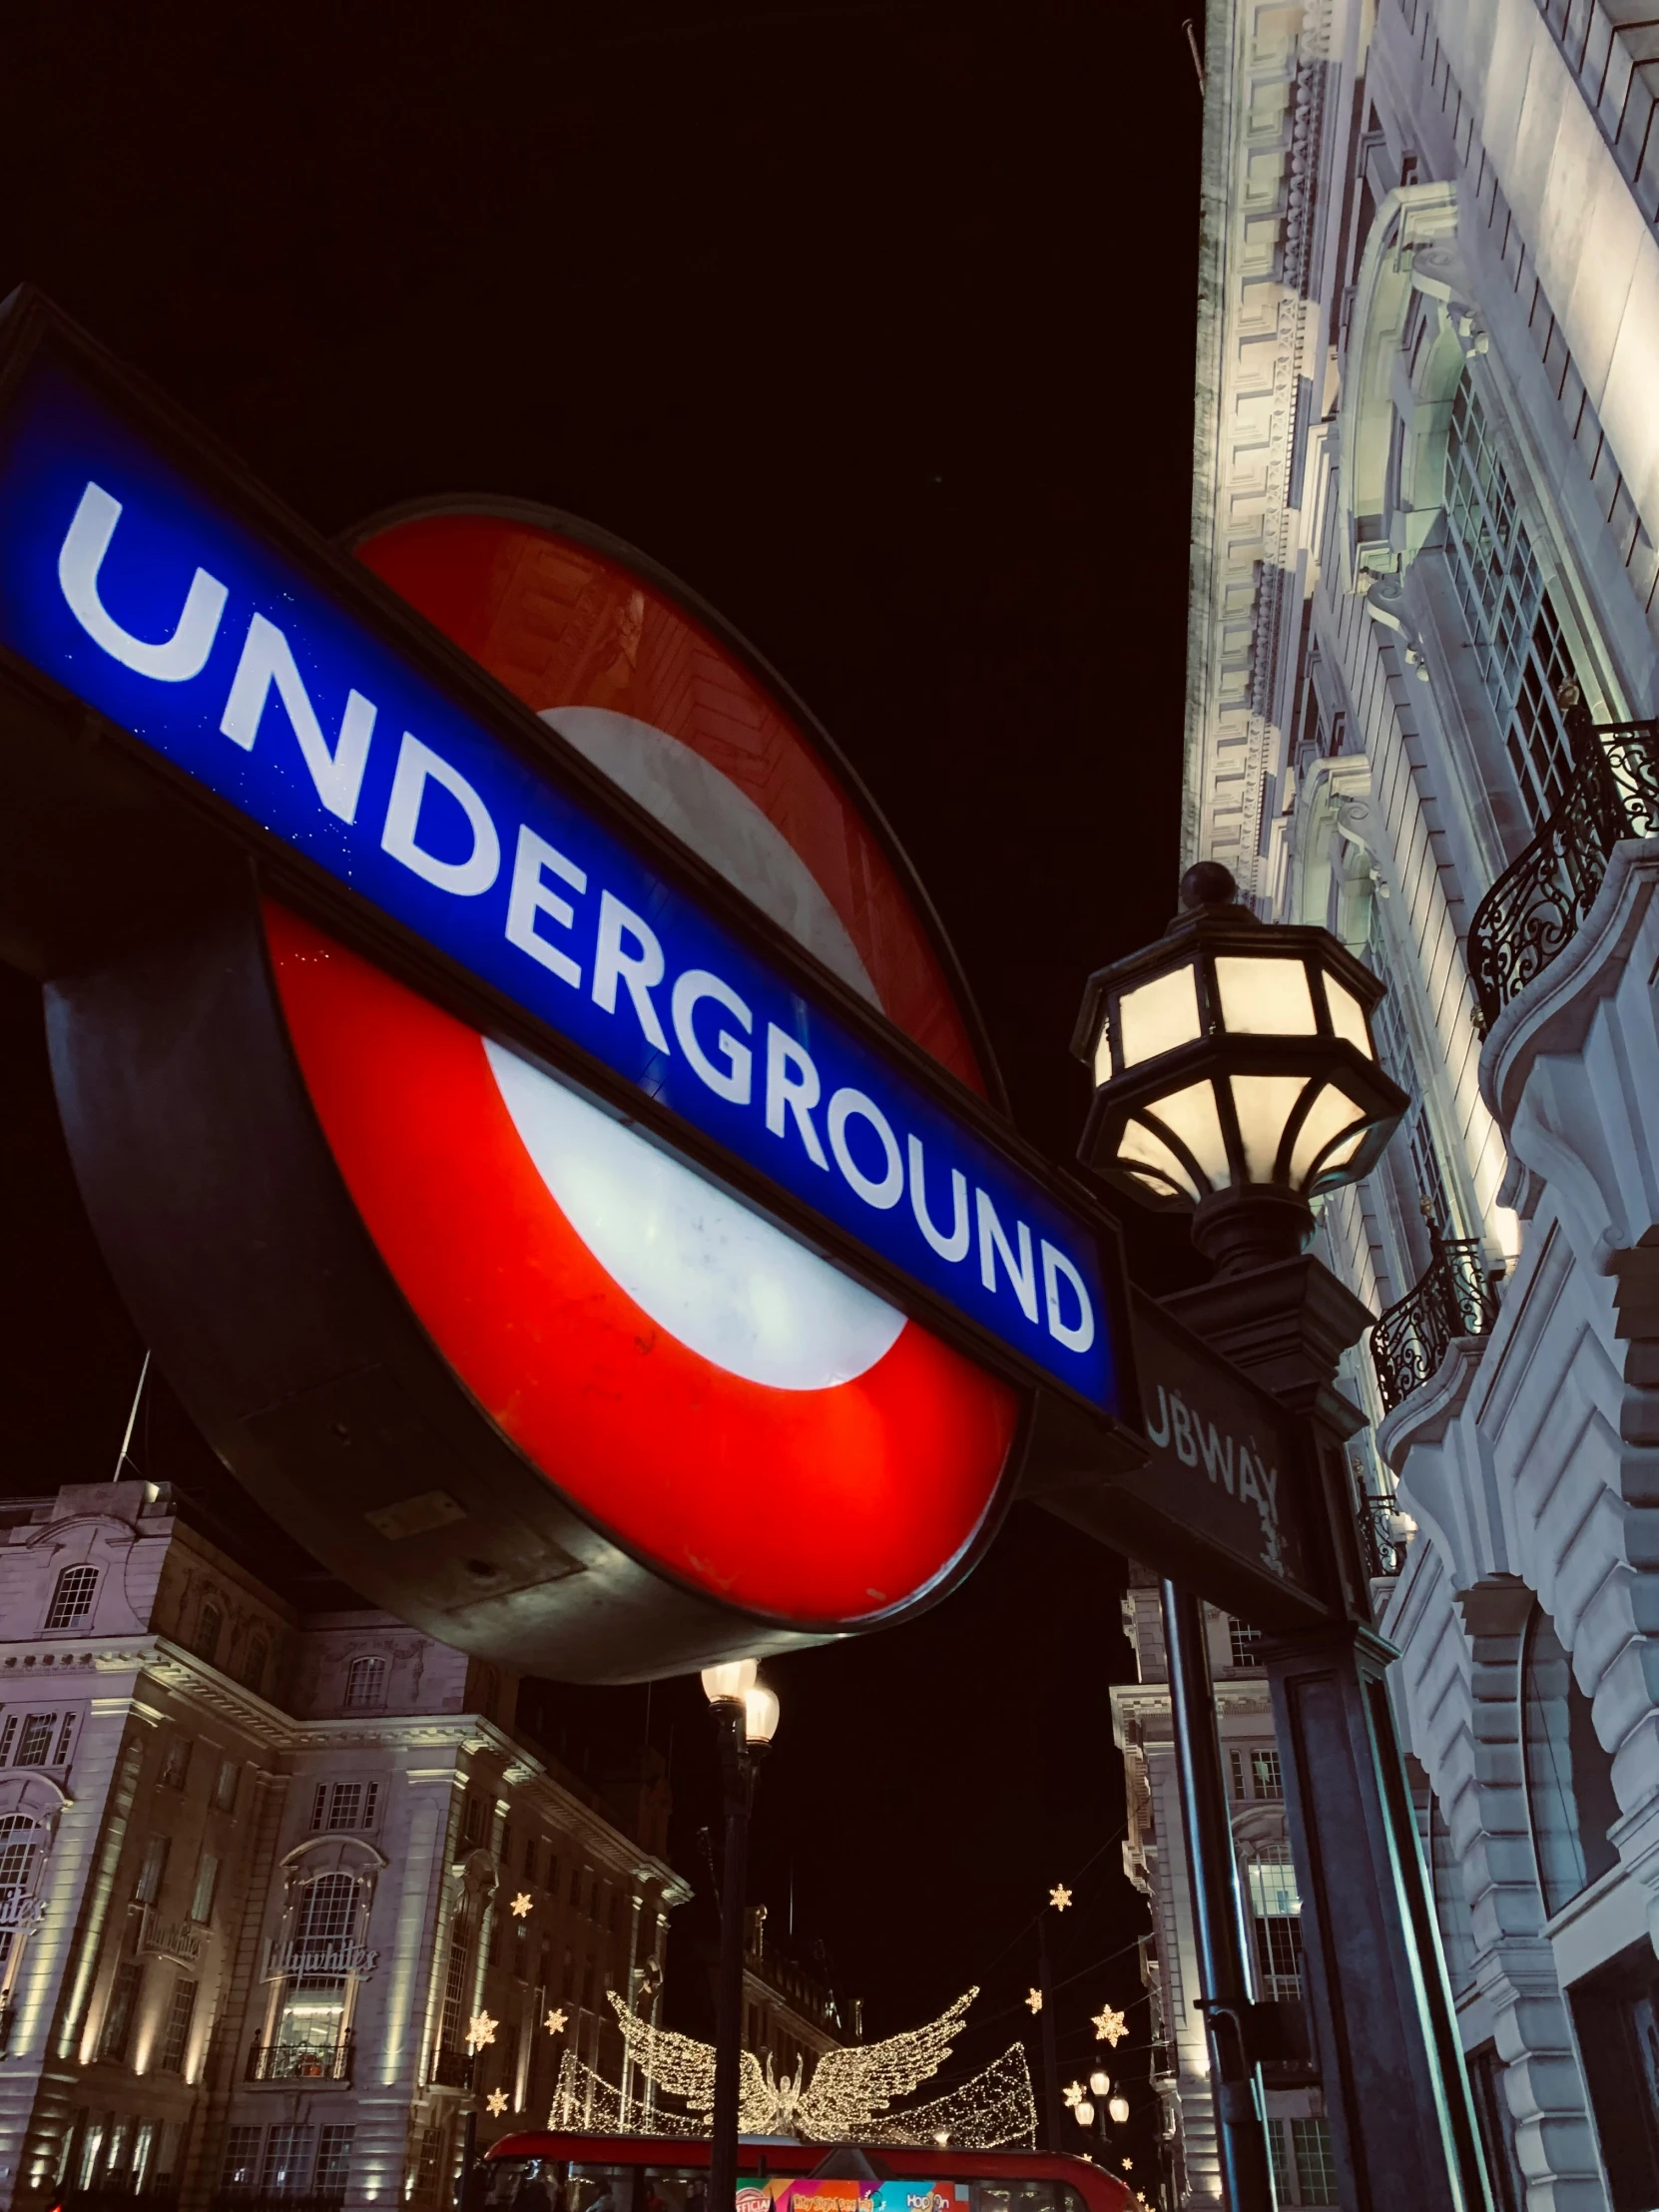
848	2096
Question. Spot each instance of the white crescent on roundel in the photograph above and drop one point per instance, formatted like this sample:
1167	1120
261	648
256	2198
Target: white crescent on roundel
705	1267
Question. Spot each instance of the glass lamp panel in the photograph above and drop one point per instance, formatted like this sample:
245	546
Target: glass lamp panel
1348	1016
1103	1056
1343	1154
1331	1113
733	1679
1264	1104
1157	1016
1265	996
1138	1142
1193	1115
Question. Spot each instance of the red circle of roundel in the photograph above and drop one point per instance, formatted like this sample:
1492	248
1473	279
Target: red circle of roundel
828	1477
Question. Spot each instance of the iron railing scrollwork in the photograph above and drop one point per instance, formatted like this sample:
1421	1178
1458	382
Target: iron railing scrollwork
299	2062
1384	1533
1454	1297
1537	905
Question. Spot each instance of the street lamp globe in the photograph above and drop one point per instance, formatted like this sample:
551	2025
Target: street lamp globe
730	1682
1099	2081
1235	1077
1085	2112
760	1713
1119	2109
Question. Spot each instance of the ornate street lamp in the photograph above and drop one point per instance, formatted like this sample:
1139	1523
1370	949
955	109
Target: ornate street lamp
746	1714
1235	1077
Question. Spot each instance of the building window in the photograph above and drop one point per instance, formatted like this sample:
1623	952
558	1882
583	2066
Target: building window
72	1597
1266	1778
255	1660
147	1888
207	1881
472	1822
176	2029
118	2017
1498	2128
210	1626
35	1745
286	2168
450	2026
329	1903
1316	2167
333	2161
17	1853
225	1790
1276	1911
175	1763
241	2159
345	1804
1244	1644
1522	655
365	1685
1569	1776
59	1757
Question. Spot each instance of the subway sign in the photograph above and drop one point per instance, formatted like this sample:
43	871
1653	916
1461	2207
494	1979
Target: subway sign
141	586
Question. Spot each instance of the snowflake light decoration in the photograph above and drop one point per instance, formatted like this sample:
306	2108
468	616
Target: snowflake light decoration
1034	1999
1109	2026
480	2030
520	1904
1059	1897
556	2019
1073	2093
496	2102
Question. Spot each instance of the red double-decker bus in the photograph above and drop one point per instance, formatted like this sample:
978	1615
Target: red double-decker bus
544	2172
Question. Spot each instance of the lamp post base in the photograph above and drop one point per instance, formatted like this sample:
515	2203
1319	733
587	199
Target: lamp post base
1241	1230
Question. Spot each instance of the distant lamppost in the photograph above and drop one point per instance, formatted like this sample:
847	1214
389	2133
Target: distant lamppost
745	1715
1237	1080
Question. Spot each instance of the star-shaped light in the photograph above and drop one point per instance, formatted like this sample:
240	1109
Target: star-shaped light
496	2102
1073	2093
1129	2165
520	1904
556	2019
1109	2026
1059	1897
1034	1999
480	2030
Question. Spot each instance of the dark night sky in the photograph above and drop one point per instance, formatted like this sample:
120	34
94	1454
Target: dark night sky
875	324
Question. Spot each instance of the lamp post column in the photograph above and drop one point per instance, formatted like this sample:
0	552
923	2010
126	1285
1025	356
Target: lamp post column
737	1783
1384	2031
1218	1923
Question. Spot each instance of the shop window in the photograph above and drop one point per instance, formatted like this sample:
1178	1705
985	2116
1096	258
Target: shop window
1569	1776
1615	2011
70	1598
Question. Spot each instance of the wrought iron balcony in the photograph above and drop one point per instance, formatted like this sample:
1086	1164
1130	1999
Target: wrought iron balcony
451	2068
1537	905
299	2062
1454	1297
1384	1533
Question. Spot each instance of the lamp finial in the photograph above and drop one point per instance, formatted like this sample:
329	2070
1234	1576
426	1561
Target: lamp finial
1207	884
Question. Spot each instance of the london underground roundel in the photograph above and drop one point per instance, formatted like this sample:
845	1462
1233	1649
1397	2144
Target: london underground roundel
722	1403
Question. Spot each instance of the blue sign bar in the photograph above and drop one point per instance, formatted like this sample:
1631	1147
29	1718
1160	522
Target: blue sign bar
132	586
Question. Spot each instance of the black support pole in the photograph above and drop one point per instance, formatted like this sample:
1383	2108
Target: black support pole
1051	2056
1218	1923
1385	2029
737	1777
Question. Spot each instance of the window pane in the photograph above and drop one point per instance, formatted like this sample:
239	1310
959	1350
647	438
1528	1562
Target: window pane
72	1598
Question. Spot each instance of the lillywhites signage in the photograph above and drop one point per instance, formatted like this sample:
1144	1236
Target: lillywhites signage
124	581
331	1955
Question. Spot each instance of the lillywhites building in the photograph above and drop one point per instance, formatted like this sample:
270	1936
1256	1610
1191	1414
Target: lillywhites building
260	1871
1424	630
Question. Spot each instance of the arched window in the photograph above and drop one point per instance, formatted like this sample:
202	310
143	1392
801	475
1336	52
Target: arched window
72	1597
365	1685
18	1837
254	1662
326	1914
210	1625
1569	1776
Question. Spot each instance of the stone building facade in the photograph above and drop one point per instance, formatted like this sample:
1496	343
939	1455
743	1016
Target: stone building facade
1422	676
258	1871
